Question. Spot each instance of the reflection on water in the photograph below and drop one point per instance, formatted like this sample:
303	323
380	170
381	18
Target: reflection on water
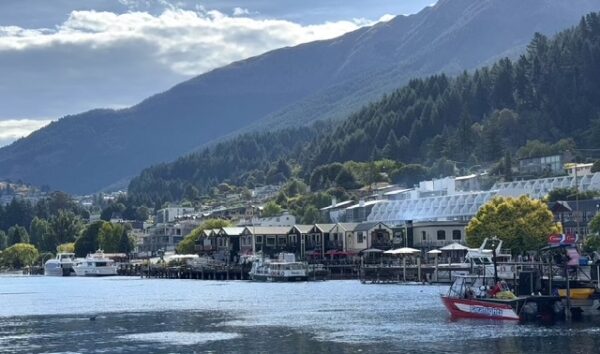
130	315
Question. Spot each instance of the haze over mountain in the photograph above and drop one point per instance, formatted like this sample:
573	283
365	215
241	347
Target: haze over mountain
326	79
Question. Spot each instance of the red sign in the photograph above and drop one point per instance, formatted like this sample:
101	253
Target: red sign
570	239
555	239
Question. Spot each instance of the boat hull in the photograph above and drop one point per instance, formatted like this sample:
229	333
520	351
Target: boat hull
271	278
58	270
478	309
95	271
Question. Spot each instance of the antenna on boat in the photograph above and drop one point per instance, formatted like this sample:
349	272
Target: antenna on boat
495	242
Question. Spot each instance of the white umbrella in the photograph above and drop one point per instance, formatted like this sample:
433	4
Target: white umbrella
435	253
403	250
454	247
372	250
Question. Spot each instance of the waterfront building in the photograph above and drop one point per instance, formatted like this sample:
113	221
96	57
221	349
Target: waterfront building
165	236
298	235
269	240
575	216
370	235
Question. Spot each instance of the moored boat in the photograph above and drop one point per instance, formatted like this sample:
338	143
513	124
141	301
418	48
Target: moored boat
284	269
474	297
61	265
96	264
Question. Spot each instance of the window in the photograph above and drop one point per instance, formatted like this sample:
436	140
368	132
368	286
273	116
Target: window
441	235
424	235
456	235
258	239
360	237
270	241
282	240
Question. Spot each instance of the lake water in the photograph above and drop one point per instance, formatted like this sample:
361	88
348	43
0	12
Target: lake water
132	315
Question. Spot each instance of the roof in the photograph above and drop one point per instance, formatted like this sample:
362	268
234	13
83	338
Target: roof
232	231
268	230
347	226
324	227
337	205
366	226
369	203
304	229
460	178
398	191
208	232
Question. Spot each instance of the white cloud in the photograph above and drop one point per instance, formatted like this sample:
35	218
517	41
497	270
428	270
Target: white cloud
238	11
187	42
97	59
17	128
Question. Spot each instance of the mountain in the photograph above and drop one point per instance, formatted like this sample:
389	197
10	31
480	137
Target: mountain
290	86
546	100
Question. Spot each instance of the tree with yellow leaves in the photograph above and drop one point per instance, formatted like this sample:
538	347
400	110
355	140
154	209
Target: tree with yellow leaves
523	223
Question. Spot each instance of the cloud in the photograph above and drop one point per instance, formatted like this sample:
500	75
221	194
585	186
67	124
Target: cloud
188	42
238	11
13	129
107	59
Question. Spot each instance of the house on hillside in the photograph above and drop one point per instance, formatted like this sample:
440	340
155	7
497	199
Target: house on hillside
544	165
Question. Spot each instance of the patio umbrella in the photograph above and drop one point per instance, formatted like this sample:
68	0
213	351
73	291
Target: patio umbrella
434	252
372	250
403	250
454	247
407	250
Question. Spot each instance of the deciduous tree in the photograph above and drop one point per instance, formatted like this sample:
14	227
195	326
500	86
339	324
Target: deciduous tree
522	223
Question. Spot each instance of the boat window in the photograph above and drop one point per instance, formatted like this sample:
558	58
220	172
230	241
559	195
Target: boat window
477	261
487	261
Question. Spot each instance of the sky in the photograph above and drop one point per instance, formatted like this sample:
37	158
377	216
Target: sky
64	57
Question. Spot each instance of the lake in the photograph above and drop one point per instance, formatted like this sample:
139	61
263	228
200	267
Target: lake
133	315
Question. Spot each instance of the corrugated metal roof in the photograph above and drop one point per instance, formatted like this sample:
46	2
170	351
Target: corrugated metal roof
304	229
268	230
366	226
232	231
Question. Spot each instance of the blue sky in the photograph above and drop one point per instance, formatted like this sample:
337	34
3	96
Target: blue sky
63	57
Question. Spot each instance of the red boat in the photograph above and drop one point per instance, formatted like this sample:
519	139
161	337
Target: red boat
473	297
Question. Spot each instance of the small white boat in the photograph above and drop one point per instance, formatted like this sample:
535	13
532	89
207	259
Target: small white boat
284	269
96	264
60	266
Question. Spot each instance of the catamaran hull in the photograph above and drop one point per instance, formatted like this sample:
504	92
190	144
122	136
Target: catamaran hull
96	272
472	308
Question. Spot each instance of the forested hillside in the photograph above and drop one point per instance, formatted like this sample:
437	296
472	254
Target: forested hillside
251	159
551	92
